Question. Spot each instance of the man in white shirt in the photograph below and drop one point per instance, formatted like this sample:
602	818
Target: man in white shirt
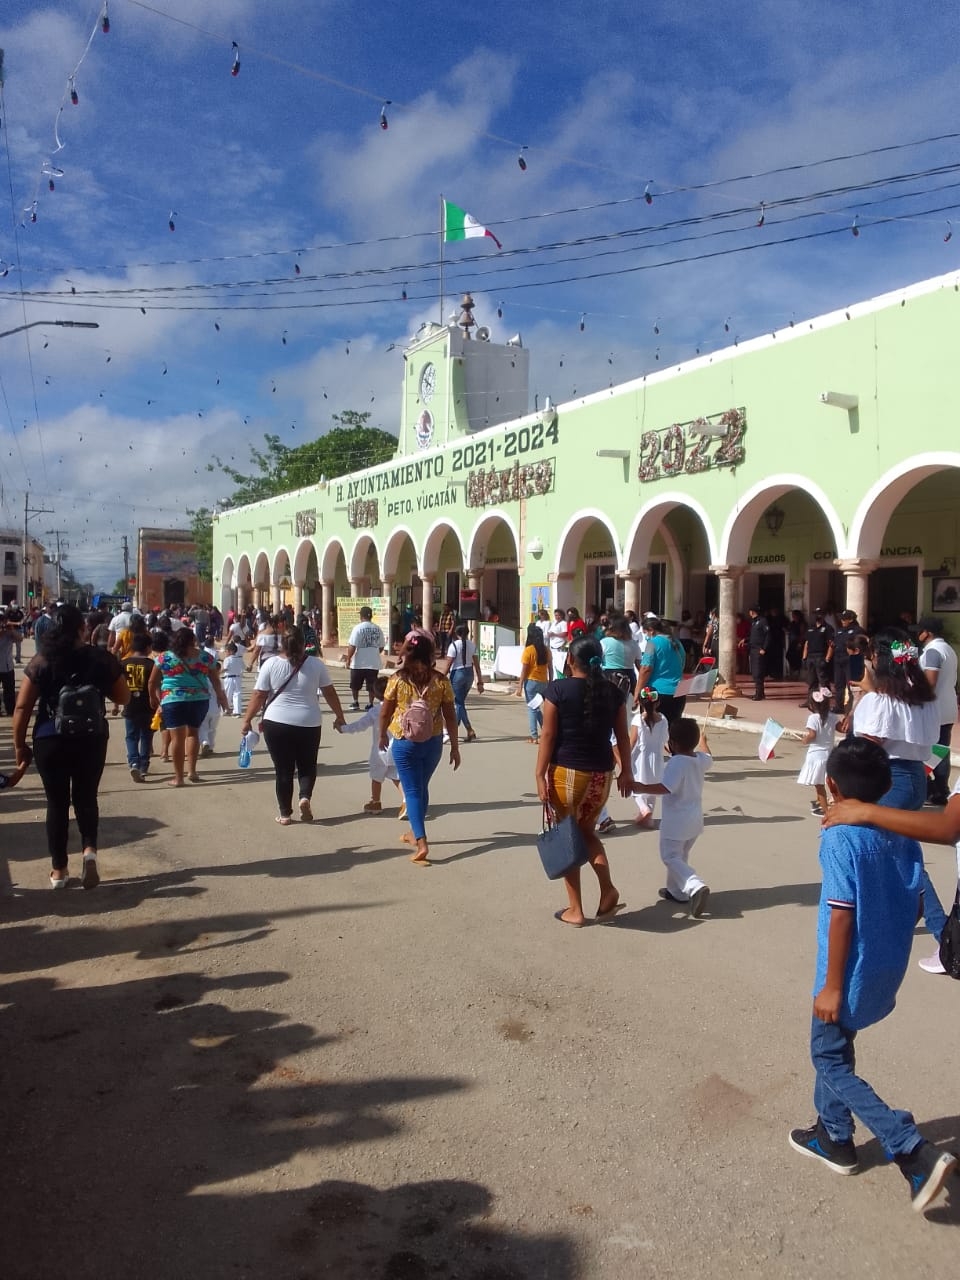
364	648
121	621
939	664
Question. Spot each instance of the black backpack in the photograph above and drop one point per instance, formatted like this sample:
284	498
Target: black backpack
79	711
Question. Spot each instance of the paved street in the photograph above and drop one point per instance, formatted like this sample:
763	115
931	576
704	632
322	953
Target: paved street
257	1051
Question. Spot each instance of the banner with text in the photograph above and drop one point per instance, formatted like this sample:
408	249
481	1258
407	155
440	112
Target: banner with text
348	615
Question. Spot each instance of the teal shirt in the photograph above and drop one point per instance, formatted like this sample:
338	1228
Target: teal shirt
665	659
619	655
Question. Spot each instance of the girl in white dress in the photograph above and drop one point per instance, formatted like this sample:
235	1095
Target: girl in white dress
821	731
648	741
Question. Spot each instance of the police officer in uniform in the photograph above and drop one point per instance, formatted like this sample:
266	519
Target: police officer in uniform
757	643
842	644
817	651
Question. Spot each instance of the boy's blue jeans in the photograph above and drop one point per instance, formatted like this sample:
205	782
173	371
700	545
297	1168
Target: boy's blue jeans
139	742
416	764
839	1093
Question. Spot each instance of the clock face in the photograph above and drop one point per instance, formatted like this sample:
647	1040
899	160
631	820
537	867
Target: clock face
428	383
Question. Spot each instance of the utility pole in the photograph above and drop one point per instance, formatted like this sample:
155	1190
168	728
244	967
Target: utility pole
61	553
126	565
28	513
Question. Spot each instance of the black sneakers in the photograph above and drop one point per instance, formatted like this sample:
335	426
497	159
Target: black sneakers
926	1169
841	1157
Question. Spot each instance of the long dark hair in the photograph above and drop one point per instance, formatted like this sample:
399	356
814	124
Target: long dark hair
535	639
294	645
896	668
461	633
586	653
618	627
181	641
58	646
418	648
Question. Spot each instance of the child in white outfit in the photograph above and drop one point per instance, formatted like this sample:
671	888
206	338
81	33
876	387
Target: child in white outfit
233	669
821	729
648	738
381	764
682	821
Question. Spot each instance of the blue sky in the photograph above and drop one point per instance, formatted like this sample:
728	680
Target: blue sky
113	428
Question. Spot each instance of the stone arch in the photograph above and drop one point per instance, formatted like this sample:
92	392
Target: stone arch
261	571
282	566
436	535
483	531
328	561
882	499
568	544
227	570
357	563
394	545
742	521
301	560
649	521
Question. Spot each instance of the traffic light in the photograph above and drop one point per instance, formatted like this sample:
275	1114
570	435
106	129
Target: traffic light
30	591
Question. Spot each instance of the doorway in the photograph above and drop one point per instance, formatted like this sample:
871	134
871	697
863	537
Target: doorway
770	591
508	597
890	593
174	592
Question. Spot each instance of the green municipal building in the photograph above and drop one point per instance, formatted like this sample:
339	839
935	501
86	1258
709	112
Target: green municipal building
815	464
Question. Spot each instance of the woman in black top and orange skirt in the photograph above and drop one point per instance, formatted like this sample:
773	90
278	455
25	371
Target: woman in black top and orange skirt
575	764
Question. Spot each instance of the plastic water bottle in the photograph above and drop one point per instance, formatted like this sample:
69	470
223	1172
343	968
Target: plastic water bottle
243	759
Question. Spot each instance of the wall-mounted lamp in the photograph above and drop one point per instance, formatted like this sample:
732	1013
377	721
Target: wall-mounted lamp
773	518
839	400
623	454
456	484
535	548
548	415
343	508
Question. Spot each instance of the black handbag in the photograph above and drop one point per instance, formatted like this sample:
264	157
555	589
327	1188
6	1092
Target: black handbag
561	845
950	940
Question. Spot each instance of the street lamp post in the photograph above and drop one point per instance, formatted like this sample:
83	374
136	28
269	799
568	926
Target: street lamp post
60	324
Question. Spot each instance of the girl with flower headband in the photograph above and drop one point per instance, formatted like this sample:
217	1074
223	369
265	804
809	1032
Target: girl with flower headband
648	738
902	714
819	734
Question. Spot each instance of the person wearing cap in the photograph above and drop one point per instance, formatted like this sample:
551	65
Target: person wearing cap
844	653
938	661
757	645
817	652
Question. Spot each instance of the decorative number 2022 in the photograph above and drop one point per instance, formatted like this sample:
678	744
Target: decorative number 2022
674	450
682	449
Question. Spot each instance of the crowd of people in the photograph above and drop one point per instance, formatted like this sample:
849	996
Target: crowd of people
605	710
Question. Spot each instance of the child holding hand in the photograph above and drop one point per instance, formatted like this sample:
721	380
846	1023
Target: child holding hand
381	764
682	821
818	737
648	741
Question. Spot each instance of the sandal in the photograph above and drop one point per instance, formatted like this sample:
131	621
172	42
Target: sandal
535	742
91	876
306	813
471	736
372	806
283	820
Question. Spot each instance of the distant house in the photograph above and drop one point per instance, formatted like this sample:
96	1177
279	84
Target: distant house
167	570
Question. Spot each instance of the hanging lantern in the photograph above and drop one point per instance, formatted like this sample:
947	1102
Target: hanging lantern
235	65
170	221
521	161
763	214
104	20
647	193
384	122
583	321
948	235
74	96
855	226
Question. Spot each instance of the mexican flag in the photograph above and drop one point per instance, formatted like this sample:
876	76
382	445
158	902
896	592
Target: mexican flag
460	225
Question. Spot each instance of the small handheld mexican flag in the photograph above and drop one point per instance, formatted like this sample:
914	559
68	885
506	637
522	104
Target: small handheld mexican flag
460	225
937	755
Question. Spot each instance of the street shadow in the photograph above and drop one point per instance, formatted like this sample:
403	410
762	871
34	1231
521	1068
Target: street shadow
736	819
129	1109
944	1133
724	904
721	775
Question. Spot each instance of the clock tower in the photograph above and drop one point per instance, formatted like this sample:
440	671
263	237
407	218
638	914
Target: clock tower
455	385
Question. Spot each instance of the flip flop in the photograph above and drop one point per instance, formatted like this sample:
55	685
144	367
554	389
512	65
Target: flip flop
574	924
283	822
606	916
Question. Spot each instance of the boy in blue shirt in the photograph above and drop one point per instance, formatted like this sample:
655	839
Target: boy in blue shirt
870	901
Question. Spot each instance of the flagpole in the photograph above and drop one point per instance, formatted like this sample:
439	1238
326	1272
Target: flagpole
441	258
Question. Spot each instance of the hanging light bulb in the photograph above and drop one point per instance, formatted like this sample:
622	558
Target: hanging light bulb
74	96
170	221
33	212
583	321
763	214
104	19
296	268
283	337
499	310
521	161
656	325
235	65
855	226
51	184
647	193
726	325
4	269
948	234
403	295
384	122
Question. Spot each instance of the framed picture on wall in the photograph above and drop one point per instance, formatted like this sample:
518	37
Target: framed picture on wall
946	595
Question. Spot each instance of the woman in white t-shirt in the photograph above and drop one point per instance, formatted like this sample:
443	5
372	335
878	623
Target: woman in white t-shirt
287	692
464	666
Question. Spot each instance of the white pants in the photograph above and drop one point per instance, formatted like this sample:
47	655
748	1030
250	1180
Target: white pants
208	730
646	804
232	687
682	881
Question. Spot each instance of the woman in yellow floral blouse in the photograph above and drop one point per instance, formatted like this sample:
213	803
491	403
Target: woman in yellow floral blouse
416	762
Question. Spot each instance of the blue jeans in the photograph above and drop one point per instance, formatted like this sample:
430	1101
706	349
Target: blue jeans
534	714
139	742
908	791
462	680
839	1093
416	764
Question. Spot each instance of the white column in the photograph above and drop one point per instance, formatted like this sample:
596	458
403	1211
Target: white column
631	591
327	611
356	587
857	573
426	589
561	589
729	575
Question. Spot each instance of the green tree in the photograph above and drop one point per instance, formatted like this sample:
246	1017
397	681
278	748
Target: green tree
275	469
201	526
